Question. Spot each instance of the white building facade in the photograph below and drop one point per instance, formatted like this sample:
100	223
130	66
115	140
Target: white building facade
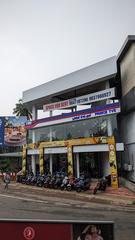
98	139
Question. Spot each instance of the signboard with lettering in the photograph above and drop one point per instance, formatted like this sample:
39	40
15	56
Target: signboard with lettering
92	97
59	230
107	109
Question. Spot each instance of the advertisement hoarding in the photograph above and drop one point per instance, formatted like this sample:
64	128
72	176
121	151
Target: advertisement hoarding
13	131
39	230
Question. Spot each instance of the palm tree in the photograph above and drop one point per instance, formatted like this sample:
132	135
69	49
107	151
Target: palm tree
21	110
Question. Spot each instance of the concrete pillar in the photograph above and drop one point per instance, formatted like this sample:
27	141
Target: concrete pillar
51	113
33	164
109	123
51	163
34	113
70	159
77	165
109	127
106	165
51	156
33	136
33	159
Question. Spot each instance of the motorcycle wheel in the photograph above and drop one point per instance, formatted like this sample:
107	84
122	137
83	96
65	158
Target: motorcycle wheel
78	190
69	188
45	185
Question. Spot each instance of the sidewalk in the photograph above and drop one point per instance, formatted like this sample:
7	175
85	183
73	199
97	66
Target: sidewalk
121	196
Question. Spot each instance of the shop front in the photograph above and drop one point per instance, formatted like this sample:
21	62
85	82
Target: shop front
81	141
76	156
95	164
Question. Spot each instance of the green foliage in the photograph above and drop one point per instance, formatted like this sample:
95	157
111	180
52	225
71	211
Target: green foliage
21	110
4	165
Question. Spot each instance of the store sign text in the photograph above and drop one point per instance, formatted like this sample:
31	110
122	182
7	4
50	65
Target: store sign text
96	114
93	97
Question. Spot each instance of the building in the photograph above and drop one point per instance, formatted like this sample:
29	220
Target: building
100	138
81	140
126	72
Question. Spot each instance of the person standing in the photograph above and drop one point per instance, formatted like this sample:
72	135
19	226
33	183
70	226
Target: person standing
6	180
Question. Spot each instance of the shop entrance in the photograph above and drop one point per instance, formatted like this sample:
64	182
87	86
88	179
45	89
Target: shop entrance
32	164
59	163
95	164
91	164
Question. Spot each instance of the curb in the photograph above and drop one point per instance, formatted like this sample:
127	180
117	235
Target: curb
77	196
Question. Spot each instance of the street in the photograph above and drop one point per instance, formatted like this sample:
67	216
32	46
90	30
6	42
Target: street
23	204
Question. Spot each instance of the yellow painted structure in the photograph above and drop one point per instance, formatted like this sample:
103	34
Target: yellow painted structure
76	142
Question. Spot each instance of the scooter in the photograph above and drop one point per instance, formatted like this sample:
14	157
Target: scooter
71	184
101	186
64	183
46	181
40	181
33	181
83	184
51	182
58	181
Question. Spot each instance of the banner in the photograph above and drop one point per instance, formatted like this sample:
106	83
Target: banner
92	97
59	230
93	112
13	131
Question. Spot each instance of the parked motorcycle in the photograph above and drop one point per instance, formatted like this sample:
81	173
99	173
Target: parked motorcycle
58	181
33	181
64	183
40	181
46	181
83	184
52	182
101	186
71	183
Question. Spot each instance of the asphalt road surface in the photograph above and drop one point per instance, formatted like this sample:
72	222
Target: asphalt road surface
19	205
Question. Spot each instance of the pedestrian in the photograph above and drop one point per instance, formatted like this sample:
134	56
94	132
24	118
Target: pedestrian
6	180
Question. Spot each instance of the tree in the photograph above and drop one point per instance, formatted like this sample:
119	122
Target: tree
21	110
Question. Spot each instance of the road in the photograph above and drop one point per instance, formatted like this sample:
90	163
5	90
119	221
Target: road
24	205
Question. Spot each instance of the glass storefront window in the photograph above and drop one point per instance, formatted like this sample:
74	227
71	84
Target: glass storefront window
46	163
59	163
91	163
79	129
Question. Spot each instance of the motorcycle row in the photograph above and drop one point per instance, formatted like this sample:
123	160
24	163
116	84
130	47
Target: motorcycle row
57	181
61	181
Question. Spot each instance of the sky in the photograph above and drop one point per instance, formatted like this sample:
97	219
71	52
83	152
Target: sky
41	40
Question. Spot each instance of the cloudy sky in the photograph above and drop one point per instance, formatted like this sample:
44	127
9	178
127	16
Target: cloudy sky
41	40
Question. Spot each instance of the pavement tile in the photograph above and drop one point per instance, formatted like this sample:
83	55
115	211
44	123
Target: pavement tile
120	196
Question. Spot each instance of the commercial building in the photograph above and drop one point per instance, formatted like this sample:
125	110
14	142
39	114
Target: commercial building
87	140
126	71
